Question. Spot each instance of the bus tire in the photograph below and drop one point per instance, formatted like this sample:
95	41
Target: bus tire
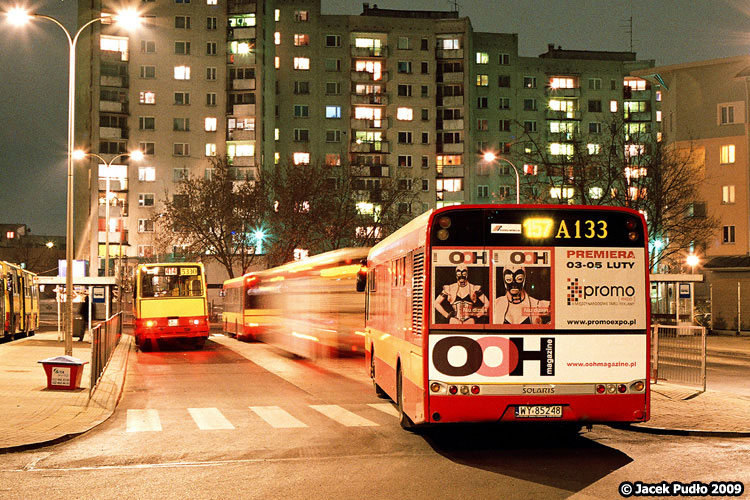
379	392
145	345
199	342
403	419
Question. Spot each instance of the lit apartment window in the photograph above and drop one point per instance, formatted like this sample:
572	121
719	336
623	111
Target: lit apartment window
333	160
301	158
301	16
613	106
658	96
146	174
210	124
147	97
301	39
246	150
182	72
483	80
302	63
277	38
562	83
146	200
728	234
483	58
277	15
658	115
596	193
276	62
635	83
333	111
727	154
558	193
212	2
210	149
594	149
727	194
449	44
530	169
559	149
405	114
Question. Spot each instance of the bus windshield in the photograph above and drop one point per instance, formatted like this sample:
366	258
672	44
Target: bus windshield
171	281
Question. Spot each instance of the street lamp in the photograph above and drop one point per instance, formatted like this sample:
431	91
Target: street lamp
490	157
136	155
692	260
18	16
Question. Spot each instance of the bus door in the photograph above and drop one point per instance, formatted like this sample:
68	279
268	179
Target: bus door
23	326
3	297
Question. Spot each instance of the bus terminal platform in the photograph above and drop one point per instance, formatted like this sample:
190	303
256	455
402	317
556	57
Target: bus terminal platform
34	416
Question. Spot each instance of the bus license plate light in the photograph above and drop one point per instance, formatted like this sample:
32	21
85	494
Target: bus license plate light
172	321
539	411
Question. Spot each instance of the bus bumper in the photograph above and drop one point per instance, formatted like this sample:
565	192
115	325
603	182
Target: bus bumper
159	328
586	409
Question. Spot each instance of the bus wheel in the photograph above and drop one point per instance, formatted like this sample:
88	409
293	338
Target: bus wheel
145	345
199	343
403	418
379	392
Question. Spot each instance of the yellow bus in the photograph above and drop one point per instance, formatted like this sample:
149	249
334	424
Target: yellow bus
169	302
19	300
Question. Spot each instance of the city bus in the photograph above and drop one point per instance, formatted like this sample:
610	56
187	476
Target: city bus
518	313
19	301
308	307
169	302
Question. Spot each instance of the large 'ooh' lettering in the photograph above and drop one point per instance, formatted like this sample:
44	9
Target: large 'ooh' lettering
512	360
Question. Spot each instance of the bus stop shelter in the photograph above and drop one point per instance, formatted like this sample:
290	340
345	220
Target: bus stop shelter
99	289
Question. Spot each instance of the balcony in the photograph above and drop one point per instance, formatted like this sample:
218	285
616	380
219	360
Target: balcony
243	161
551	114
113	81
378	99
115	184
239	134
449	53
241	7
639	116
370	171
450	196
243	110
369	51
112	133
451	101
558	92
636	95
451	171
366	76
450	124
370	147
241	59
369	124
451	148
455	77
243	84
113	106
241	33
115	55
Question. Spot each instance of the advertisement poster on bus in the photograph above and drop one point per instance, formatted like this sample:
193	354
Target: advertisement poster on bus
522	288
549	358
460	281
600	288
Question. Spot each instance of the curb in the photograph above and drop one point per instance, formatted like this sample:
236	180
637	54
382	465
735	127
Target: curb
126	342
682	432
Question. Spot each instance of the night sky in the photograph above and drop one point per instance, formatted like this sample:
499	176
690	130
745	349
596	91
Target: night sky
34	60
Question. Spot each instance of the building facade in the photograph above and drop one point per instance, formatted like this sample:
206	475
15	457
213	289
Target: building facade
413	95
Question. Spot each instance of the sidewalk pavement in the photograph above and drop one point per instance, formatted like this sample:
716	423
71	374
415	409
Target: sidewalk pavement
32	416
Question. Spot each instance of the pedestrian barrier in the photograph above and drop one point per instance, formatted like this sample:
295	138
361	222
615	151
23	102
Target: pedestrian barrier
104	338
678	355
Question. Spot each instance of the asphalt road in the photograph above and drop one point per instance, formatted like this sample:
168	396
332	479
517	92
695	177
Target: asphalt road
253	422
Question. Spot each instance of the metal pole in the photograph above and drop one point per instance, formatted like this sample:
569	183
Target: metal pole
106	225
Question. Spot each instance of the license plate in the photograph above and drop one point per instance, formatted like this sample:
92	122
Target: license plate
172	322
539	411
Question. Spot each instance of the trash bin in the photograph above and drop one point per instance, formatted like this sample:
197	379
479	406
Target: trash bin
63	372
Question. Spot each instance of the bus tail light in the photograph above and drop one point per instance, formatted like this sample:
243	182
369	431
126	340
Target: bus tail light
435	387
475	389
150	323
464	390
600	389
196	322
621	388
638	386
453	389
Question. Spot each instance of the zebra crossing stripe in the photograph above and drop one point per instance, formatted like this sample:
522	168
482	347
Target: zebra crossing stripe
385	408
276	417
343	416
209	419
143	421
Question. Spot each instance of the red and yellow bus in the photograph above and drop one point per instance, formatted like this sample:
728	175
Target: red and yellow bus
493	313
169	301
307	307
19	301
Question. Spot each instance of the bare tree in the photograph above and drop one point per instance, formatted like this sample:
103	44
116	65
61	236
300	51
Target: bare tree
216	214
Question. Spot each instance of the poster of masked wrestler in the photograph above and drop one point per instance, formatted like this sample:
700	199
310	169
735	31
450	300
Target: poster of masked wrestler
522	284
461	287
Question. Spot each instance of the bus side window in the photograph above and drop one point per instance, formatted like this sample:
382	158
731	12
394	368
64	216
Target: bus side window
195	288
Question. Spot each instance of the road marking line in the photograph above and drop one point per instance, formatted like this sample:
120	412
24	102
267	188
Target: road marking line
385	408
143	421
209	419
343	416
276	417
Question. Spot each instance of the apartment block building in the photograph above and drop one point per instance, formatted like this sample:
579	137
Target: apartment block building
414	95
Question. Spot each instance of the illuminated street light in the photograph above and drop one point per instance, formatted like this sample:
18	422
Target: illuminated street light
490	157
136	155
18	17
692	260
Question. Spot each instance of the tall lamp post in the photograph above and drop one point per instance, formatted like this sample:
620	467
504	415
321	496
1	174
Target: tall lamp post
136	155
18	17
490	157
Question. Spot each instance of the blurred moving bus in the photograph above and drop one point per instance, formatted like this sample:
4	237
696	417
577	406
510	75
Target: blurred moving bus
169	301
19	301
308	307
487	313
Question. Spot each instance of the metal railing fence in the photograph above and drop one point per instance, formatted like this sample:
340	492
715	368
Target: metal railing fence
104	338
678	355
